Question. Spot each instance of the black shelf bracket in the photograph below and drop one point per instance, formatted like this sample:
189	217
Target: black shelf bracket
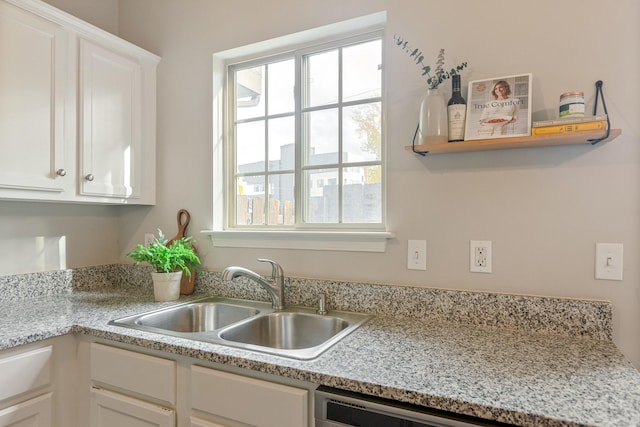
413	143
600	94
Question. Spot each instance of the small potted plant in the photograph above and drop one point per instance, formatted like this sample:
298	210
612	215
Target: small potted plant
171	260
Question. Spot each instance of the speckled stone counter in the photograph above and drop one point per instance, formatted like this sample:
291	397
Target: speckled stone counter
527	361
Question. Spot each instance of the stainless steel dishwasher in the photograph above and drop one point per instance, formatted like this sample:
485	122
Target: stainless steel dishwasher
339	408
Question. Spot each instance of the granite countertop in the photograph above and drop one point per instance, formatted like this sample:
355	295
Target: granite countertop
502	374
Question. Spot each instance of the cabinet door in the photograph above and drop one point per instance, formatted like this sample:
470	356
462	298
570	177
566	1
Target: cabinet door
33	74
25	372
32	413
110	409
248	400
110	122
145	375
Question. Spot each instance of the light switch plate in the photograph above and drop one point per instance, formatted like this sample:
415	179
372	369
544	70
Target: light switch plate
417	255
609	261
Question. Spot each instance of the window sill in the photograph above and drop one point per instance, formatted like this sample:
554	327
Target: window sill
350	241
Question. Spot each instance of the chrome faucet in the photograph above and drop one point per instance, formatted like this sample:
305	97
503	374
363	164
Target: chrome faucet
274	286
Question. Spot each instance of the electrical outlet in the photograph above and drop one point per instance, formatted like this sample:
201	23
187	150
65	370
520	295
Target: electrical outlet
417	255
480	259
148	238
480	256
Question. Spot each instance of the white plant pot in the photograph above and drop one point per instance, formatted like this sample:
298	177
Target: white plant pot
166	286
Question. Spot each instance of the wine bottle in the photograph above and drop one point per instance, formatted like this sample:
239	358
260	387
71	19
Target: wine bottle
456	111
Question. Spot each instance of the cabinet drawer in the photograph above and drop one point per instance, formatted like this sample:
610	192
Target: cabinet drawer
35	412
110	409
24	372
139	373
228	395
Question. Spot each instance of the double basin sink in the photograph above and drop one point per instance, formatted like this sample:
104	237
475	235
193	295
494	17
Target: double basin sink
296	332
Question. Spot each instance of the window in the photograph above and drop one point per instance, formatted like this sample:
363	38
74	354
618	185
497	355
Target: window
279	143
305	140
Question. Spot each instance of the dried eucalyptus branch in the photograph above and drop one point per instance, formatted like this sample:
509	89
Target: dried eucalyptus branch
418	57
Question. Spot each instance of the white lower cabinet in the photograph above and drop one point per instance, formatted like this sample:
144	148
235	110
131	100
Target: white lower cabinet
236	400
127	388
109	409
36	412
23	375
34	390
130	389
23	372
149	377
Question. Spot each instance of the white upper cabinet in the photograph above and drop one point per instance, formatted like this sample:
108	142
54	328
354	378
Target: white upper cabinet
110	125
77	110
33	78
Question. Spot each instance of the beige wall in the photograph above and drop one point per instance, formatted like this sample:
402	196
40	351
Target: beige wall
49	236
544	209
101	13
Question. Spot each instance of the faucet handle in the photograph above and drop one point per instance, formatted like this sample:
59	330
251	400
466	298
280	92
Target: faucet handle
276	270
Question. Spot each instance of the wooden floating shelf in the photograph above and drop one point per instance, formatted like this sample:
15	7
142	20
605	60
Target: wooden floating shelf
576	138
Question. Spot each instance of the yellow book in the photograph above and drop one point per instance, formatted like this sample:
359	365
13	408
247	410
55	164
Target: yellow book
570	128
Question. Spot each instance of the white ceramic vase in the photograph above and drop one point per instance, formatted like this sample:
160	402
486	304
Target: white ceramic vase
166	286
433	127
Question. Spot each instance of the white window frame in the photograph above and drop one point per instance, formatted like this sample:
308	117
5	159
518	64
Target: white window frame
329	236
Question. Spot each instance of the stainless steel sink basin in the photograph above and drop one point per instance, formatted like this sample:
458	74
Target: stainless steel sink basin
286	330
196	317
296	332
204	315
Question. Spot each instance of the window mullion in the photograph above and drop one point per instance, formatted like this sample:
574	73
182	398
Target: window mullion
340	142
265	208
229	157
299	192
